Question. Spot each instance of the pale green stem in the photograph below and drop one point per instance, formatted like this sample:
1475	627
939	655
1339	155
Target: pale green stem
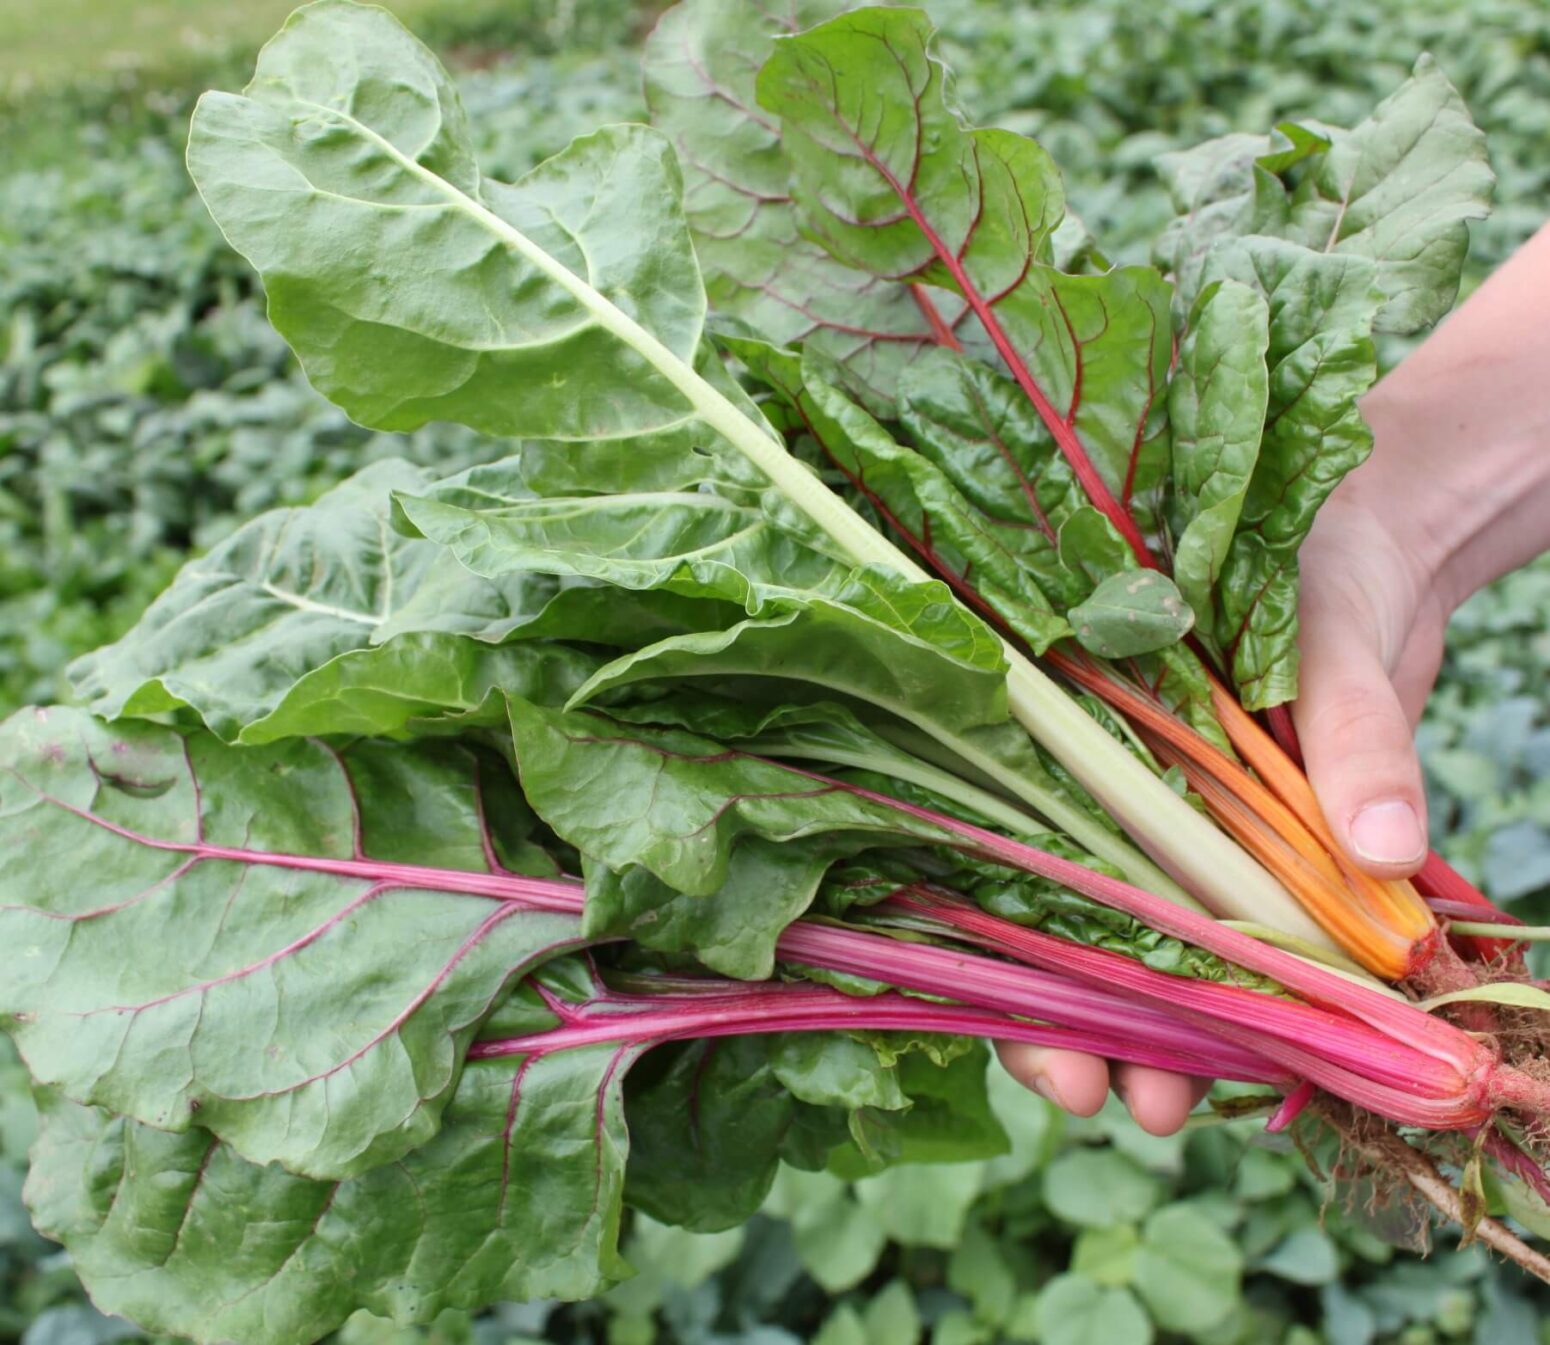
1495	930
1084	829
1329	958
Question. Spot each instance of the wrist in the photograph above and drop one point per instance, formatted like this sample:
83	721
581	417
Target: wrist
1460	470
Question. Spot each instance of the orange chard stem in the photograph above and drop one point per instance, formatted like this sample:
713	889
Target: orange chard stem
1385	927
1403	904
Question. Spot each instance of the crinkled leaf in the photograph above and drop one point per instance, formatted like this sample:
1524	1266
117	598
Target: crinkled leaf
1216	187
414	289
949	1119
293	966
324	619
732	931
1091	550
903	757
891	181
916	497
676	803
900	643
689	541
707	1122
840	647
830	1070
979	429
1217	401
1321	360
700	65
517	1197
1400	189
1129	614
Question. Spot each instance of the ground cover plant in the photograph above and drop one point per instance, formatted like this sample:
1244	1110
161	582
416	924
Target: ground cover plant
236	704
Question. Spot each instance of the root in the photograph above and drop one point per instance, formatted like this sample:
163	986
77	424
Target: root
1522	1034
1385	1152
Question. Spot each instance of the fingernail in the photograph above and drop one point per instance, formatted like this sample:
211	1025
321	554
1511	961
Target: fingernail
1388	833
1042	1085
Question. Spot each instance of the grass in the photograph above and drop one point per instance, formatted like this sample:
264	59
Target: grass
78	76
52	46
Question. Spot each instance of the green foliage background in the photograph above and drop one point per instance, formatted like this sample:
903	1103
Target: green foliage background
146	407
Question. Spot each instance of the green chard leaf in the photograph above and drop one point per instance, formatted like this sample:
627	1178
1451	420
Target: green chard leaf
1217	401
976	425
901	646
899	643
918	500
733	930
324	915
891	181
413	288
700	66
1321	360
1137	612
1216	186
708	825
517	1197
1400	189
1343	233
738	1116
324	619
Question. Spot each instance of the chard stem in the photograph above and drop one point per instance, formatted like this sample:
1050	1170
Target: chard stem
1501	930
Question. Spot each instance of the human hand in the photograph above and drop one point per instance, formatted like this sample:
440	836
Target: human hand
1456	492
1372	615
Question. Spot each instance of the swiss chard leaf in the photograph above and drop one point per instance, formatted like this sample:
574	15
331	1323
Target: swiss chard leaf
892	182
1136	612
676	803
898	642
517	1197
1321	359
1400	189
1343	232
733	930
324	619
977	427
259	960
700	66
411	287
708	1121
1217	401
918	500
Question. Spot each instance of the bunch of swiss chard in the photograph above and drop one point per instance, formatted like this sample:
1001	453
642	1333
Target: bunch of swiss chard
854	659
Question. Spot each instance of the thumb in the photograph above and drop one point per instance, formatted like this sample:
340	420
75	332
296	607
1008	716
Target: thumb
1358	745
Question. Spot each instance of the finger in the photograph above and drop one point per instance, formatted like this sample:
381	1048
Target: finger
1074	1082
1159	1101
1416	672
1357	742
